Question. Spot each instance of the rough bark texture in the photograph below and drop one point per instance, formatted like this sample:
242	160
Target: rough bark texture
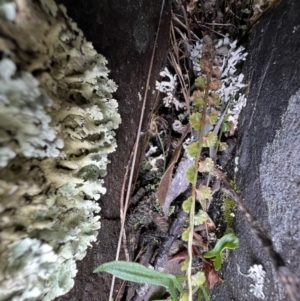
269	170
123	31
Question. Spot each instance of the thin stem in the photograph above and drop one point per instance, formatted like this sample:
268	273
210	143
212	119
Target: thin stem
192	210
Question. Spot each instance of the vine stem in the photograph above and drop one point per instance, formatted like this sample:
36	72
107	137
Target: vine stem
192	210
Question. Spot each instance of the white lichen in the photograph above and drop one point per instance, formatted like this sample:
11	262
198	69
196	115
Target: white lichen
227	57
57	122
195	52
169	87
30	265
257	274
24	124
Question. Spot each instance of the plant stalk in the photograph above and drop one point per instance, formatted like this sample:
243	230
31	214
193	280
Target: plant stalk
192	210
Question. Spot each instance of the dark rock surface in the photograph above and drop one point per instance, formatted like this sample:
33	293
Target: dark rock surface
269	148
124	32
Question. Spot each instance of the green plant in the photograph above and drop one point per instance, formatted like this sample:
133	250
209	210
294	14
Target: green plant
135	272
206	112
228	241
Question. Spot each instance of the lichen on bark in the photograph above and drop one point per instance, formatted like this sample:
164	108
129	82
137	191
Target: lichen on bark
57	122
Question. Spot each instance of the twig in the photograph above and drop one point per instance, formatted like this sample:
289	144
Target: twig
122	217
184	26
289	280
186	22
220	34
137	145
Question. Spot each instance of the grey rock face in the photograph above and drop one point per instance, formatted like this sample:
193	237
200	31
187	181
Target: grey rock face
269	171
280	184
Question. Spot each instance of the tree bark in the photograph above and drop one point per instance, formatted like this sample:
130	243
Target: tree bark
124	32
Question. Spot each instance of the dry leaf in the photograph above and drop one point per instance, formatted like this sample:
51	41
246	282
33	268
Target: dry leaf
212	276
181	256
166	179
179	184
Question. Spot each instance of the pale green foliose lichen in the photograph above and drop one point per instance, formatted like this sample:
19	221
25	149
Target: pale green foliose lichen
57	122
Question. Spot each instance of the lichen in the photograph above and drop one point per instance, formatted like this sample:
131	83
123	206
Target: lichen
257	273
227	57
57	122
24	124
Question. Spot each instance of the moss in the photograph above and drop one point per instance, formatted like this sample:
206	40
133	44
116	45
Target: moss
233	185
228	211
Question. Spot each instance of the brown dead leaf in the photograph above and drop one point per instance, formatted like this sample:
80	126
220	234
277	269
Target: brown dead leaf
213	278
181	255
210	225
198	241
166	179
211	275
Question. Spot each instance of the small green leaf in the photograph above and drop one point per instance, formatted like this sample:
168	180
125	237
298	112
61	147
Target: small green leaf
193	149
198	99
199	103
185	264
185	234
212	117
191	175
206	165
184	297
218	262
187	204
135	272
210	139
198	279
195	120
203	293
200	82
204	193
226	127
216	99
200	218
229	241
181	278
